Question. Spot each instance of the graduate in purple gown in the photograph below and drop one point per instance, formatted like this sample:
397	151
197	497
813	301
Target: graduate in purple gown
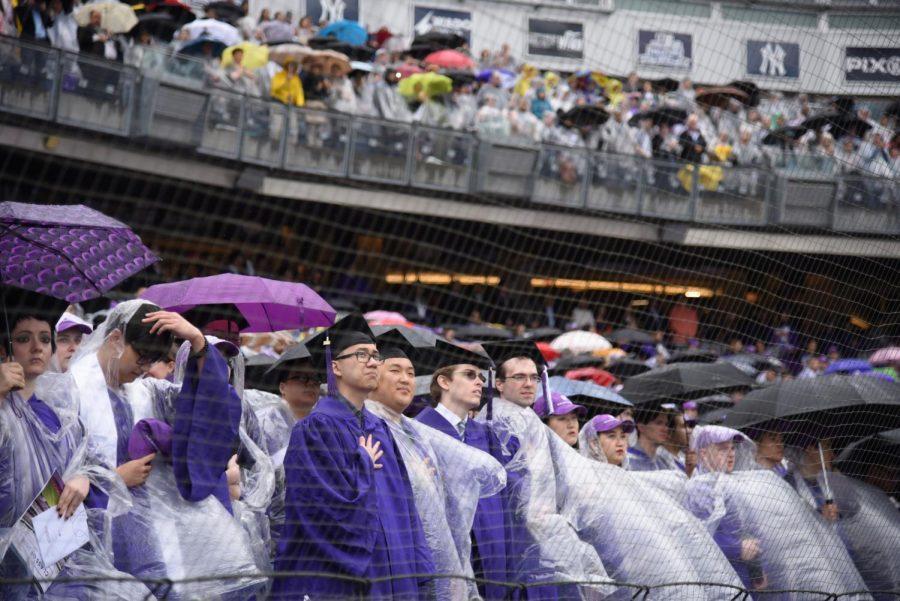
350	521
180	524
40	435
456	388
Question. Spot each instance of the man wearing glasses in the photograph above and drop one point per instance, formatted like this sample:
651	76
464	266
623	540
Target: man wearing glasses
456	388
350	518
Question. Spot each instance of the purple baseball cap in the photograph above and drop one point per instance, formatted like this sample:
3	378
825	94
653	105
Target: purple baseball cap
561	406
70	321
607	422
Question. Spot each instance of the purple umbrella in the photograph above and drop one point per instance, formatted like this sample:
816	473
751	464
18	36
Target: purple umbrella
256	304
69	252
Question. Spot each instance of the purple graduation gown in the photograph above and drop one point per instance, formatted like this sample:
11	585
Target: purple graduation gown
345	518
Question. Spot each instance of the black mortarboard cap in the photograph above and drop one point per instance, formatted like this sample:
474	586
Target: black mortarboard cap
503	350
293	357
393	345
446	353
346	332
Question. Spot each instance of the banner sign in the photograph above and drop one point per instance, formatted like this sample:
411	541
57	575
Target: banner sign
872	64
559	39
332	10
441	20
665	49
773	59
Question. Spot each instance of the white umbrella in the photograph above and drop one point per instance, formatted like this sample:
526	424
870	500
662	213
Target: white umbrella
213	29
579	341
115	17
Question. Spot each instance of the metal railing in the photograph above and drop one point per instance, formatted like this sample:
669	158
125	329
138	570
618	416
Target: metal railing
113	98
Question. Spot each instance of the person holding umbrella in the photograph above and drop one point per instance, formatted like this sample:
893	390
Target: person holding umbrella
41	438
186	491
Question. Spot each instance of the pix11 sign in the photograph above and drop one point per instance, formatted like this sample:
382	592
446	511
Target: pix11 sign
872	64
558	39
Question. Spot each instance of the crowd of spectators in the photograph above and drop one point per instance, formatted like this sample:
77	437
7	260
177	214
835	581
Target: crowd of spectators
501	97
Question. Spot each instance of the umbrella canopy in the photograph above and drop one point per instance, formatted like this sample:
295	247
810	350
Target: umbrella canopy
276	31
69	252
849	366
450	59
160	25
668	115
407	69
328	59
721	96
882	450
713	402
256	374
546	350
752	363
355	52
386	318
361	66
115	17
575	362
543	334
433	84
750	89
783	135
212	29
480	332
666	84
255	56
579	341
630	336
597	399
886	356
693	356
839	124
845	408
507	77
684	381
284	53
196	47
594	374
227	12
420	51
258	304
346	31
585	116
439	39
415	336
627	368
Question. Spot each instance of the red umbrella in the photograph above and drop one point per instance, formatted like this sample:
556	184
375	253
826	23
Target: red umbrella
549	353
450	59
406	69
594	374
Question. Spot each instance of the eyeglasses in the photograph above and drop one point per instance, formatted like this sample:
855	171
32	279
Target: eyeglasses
362	357
304	379
522	378
471	374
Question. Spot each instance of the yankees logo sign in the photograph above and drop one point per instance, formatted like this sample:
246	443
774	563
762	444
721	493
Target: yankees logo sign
773	59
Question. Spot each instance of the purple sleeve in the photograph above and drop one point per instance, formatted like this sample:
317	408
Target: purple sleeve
207	417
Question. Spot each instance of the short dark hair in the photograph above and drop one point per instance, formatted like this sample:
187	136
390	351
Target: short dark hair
15	318
501	369
137	334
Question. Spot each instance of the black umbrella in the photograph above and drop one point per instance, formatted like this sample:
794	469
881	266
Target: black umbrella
721	96
420	51
750	89
630	336
225	11
668	115
666	84
585	116
576	362
440	39
783	135
707	404
684	381
881	450
627	368
478	332
693	356
415	337
353	52
460	78
714	418
893	109
543	334
839	124
752	363
840	407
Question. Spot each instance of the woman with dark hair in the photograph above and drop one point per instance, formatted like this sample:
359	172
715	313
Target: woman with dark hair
42	439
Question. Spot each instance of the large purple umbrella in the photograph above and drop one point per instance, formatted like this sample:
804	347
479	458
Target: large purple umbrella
68	252
257	304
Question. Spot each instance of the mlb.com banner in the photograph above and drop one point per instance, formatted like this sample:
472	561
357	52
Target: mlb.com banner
773	59
558	39
872	64
427	19
665	49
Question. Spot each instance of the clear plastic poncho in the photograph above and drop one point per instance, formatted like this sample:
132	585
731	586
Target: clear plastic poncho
642	533
799	552
869	525
543	500
163	535
275	421
448	478
30	453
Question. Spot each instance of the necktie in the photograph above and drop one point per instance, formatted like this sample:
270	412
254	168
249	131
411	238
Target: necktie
461	426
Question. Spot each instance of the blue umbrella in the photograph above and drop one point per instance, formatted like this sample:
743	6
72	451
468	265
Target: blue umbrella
195	47
849	366
346	31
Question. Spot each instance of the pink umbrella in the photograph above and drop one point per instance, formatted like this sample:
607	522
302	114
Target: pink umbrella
886	356
406	69
450	59
386	318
